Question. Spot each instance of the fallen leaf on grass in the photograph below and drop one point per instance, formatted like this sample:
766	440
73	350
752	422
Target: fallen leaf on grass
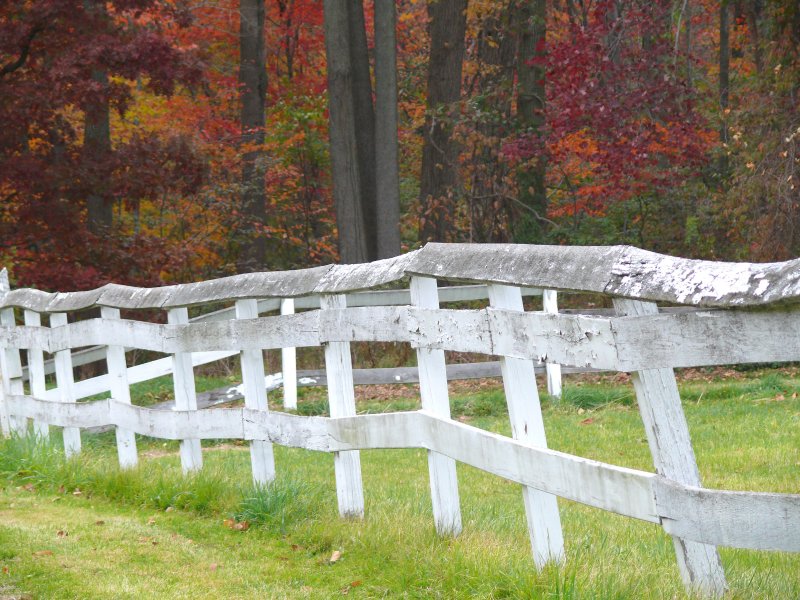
236	525
588	421
346	589
101	522
213	567
29	487
5	570
62	534
335	556
43	553
77	492
151	521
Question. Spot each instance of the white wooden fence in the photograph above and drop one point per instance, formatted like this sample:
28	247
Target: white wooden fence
745	313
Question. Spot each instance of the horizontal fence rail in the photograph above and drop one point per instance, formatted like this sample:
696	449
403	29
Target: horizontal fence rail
729	313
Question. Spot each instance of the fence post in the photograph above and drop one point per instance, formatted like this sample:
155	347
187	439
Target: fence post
673	456
65	379
121	392
342	401
527	425
13	384
550	306
185	394
262	458
36	376
289	363
435	398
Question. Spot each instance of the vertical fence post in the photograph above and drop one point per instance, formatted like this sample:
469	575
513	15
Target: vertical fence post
342	402
13	384
550	306
289	363
121	392
673	456
262	458
527	425
36	376
185	394
65	379
5	427
435	398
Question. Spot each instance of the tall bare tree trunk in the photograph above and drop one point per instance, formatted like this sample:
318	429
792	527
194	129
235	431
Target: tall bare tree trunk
96	150
345	164
253	82
387	175
530	227
439	175
364	112
724	81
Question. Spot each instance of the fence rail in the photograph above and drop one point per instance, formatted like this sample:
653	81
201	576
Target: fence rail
744	313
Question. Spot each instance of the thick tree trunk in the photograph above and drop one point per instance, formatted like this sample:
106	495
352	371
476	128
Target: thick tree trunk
490	214
439	177
345	164
530	227
96	151
253	83
364	121
387	175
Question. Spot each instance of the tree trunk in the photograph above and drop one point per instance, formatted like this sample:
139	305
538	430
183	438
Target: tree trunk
345	164
253	85
724	82
530	227
364	121
387	175
439	177
96	152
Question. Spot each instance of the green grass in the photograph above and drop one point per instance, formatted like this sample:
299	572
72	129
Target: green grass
163	535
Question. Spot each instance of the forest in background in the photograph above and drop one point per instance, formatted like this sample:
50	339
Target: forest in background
161	141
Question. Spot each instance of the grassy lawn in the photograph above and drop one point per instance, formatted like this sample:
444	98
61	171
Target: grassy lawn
82	529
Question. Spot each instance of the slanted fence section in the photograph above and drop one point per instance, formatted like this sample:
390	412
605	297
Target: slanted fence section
737	313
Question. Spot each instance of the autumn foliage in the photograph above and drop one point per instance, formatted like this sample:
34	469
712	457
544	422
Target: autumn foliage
637	142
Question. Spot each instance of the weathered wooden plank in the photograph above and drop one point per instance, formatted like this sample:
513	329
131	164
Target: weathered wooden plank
615	270
673	456
346	278
185	394
616	489
704	338
65	380
196	425
448	329
550	306
121	392
36	373
527	425
434	397
342	403
573	340
266	332
295	431
62	414
367	324
289	363
262	457
760	521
